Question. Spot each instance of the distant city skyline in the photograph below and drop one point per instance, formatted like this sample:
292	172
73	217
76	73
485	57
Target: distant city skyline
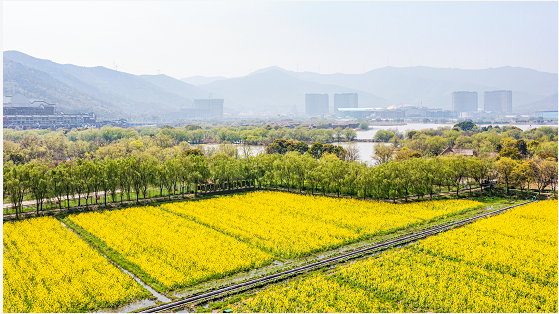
231	39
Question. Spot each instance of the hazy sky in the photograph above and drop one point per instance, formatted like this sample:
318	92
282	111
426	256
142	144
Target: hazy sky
183	39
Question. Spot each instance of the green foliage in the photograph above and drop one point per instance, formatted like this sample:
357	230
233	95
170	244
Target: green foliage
350	134
383	135
88	161
364	125
465	125
281	146
192	152
510	152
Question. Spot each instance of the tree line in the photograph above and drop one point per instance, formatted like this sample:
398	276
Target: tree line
318	169
113	142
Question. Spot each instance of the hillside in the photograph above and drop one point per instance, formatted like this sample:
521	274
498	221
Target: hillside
549	103
270	90
32	83
201	80
130	93
175	86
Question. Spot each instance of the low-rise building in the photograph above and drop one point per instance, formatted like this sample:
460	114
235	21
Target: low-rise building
26	113
21	105
54	121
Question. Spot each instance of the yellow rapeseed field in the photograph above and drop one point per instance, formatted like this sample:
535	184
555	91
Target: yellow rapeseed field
506	263
290	225
171	249
48	268
315	294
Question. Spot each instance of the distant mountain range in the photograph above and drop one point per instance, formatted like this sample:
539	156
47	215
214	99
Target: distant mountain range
272	90
201	80
125	93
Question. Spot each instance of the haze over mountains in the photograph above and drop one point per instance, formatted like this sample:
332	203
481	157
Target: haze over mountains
272	90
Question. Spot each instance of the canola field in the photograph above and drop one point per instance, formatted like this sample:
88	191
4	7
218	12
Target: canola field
170	249
290	225
506	263
48	268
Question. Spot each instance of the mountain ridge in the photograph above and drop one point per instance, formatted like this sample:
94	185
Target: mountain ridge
276	90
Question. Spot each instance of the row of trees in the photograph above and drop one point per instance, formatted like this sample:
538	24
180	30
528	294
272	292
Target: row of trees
325	173
25	146
483	140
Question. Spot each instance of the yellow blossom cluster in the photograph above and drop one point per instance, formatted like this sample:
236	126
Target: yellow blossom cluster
506	263
171	249
48	268
314	294
292	225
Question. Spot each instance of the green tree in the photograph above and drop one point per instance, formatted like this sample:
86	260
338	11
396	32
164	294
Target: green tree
364	125
383	135
17	182
338	134
522	175
510	152
57	181
522	147
38	183
316	150
505	167
350	134
465	125
479	169
382	154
